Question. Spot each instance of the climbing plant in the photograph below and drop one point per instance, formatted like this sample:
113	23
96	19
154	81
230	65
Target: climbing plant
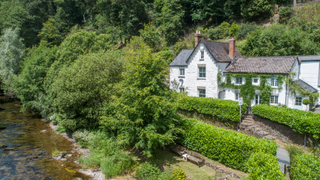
247	90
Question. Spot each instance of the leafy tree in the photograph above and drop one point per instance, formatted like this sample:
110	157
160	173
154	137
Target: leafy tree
233	29
279	40
245	29
256	9
152	37
11	53
144	115
50	33
83	87
29	85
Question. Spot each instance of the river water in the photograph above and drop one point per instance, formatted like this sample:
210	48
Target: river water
33	142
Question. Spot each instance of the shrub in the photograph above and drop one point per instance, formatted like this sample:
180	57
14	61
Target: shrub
117	164
284	14
224	29
306	101
225	110
233	29
305	167
300	121
214	34
179	174
148	170
245	29
263	166
228	147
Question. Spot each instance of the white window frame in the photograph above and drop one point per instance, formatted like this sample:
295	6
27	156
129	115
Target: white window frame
181	90
237	96
274	99
255	79
202	92
201	55
241	80
200	72
295	101
274	82
182	70
257	99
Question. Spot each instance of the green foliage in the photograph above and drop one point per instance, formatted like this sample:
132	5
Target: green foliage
256	9
279	40
234	28
305	167
83	137
225	110
50	33
224	28
148	170
106	153
83	87
11	53
285	14
300	121
144	116
55	152
306	101
228	147
186	42
152	37
179	174
245	29
263	166
214	34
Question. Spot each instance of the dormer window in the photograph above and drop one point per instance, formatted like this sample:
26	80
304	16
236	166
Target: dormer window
202	54
181	71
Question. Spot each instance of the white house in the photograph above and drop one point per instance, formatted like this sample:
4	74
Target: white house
195	71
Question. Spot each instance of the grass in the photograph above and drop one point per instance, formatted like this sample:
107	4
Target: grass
55	152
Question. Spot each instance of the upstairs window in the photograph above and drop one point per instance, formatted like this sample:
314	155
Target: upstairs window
202	72
202	92
181	71
274	82
255	80
181	90
202	54
239	80
298	101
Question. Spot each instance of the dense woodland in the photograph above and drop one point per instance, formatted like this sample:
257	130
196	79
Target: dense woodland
101	64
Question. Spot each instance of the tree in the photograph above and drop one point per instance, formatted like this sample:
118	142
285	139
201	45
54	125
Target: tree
144	115
256	9
306	102
11	53
50	33
82	88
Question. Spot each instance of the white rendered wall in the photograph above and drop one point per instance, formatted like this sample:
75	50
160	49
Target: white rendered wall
309	72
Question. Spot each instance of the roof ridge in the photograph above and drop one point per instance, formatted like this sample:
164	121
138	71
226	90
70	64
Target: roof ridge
215	41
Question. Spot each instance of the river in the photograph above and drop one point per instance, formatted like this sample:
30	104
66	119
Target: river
26	146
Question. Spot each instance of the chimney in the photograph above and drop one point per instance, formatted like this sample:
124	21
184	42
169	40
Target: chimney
231	47
197	38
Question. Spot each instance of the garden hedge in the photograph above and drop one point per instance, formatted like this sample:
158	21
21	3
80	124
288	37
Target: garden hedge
228	147
264	166
306	166
300	121
225	110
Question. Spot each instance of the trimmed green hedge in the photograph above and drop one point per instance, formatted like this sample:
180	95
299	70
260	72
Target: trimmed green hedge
228	147
225	110
305	167
299	121
263	166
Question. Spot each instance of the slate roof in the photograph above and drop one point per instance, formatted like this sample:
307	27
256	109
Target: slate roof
305	86
181	59
309	58
262	65
220	51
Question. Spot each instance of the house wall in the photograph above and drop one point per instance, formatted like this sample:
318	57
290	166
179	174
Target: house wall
295	69
292	99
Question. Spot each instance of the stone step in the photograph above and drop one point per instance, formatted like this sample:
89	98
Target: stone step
270	137
247	122
262	133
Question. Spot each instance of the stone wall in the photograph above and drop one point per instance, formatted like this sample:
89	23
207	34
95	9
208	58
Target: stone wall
281	131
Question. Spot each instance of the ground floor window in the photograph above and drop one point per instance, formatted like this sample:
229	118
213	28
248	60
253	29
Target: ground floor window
257	99
202	92
274	99
298	101
237	96
181	90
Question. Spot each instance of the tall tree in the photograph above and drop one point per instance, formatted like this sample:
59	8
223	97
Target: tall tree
11	53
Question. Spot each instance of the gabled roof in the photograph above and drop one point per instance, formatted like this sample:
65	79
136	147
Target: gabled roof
262	65
309	58
220	51
305	86
181	59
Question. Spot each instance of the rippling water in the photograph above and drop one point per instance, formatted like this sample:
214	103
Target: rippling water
33	148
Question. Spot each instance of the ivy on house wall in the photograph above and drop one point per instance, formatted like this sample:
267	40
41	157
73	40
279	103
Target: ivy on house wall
247	90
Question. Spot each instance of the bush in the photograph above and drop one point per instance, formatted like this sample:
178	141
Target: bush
228	147
179	174
263	166
148	170
225	110
233	29
214	34
300	121
306	101
305	167
284	14
245	29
